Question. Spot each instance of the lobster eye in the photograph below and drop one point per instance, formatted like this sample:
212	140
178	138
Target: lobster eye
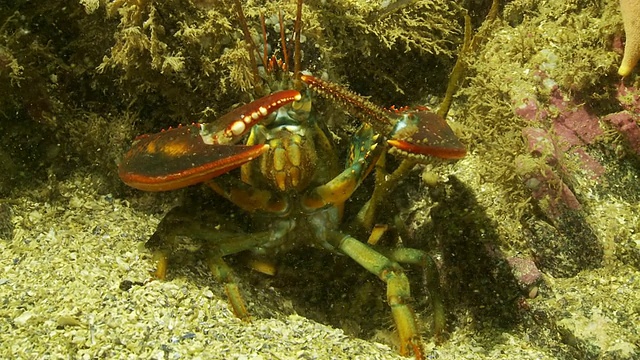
302	105
300	109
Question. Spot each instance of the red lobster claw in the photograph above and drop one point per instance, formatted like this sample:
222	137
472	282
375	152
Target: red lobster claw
419	132
192	154
414	133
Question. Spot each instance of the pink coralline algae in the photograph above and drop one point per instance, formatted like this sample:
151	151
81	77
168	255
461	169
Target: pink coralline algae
560	131
568	126
574	124
626	122
525	271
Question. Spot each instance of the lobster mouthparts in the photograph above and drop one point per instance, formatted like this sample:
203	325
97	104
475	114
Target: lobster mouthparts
189	155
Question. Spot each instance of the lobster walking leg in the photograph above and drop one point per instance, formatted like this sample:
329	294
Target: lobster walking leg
421	258
398	292
217	236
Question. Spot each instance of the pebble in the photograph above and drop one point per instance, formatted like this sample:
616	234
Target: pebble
525	271
23	318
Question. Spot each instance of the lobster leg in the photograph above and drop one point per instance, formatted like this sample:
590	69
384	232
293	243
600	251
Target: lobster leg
398	291
422	259
223	273
363	153
216	236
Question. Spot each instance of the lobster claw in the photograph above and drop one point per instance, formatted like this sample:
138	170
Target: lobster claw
189	155
413	133
419	132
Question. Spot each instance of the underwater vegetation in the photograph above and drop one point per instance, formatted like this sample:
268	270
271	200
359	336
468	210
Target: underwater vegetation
535	233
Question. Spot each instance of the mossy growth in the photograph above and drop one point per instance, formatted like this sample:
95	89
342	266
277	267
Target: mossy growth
533	51
145	65
47	56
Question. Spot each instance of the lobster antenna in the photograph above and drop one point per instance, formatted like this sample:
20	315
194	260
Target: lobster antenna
248	40
296	34
265	48
283	40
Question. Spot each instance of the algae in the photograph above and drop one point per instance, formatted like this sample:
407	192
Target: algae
80	79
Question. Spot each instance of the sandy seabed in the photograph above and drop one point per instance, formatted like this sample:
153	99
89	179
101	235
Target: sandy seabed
74	285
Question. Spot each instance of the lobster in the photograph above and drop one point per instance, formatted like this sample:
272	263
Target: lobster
291	182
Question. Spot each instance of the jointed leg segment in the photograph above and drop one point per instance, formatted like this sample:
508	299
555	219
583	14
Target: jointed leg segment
398	291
